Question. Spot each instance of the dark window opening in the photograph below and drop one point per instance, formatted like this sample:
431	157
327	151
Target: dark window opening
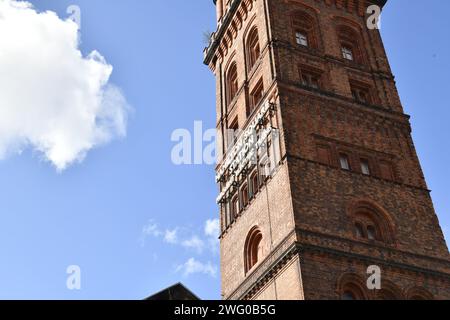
301	38
347	53
253	49
254	182
359	229
344	161
310	79
256	96
365	167
232	83
361	93
244	195
235	207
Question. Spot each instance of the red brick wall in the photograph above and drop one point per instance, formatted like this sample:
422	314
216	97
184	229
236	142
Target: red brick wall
318	199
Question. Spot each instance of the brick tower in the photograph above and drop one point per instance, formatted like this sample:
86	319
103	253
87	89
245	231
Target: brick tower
319	178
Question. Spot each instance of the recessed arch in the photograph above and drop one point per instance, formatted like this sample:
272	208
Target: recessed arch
305	29
371	222
351	287
252	47
349	37
418	293
251	22
389	291
253	249
232	82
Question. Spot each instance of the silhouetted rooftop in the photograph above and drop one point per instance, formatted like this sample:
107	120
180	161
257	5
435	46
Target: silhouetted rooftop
175	292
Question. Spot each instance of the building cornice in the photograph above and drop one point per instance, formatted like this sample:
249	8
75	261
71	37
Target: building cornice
225	21
217	36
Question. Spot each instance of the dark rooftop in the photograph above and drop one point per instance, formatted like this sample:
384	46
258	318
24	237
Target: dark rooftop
177	292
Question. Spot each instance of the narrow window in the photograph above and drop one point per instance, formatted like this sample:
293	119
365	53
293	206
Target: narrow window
231	216
244	195
359	230
347	53
226	218
310	79
235	207
371	233
355	94
301	38
365	168
361	93
232	83
256	251
254	181
345	163
256	96
253	249
233	132
253	49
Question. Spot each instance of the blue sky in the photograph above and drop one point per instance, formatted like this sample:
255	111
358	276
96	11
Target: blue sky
93	214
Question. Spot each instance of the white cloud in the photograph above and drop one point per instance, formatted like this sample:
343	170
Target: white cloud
194	243
185	238
212	231
52	99
171	236
212	228
193	266
151	229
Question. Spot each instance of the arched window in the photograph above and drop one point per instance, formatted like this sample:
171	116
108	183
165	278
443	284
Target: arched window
352	292
253	48
253	249
232	82
386	295
351	287
389	291
254	183
235	207
244	195
367	227
348	295
372	233
256	96
417	293
359	229
371	223
350	46
304	30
